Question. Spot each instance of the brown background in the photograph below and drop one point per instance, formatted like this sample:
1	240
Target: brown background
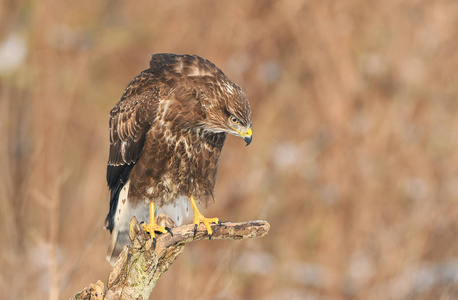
353	160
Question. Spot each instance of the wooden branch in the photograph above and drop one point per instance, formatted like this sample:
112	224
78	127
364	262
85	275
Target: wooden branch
141	265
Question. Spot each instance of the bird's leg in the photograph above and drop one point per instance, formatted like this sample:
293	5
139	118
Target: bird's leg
152	226
199	218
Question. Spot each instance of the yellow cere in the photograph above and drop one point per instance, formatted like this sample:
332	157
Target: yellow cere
248	133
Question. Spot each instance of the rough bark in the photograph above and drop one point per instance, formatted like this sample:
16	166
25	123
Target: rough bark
141	265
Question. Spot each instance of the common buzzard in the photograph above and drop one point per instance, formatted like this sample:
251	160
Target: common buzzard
166	135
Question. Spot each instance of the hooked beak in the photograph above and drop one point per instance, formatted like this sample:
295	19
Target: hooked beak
247	136
248	139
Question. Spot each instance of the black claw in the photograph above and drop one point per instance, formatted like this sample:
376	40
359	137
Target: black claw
169	230
154	243
209	237
195	230
142	222
220	223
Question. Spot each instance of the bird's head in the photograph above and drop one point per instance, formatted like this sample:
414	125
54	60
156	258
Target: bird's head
240	128
223	104
231	114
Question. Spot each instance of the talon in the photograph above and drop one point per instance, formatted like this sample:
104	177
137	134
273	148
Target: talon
195	230
209	237
154	243
169	230
220	223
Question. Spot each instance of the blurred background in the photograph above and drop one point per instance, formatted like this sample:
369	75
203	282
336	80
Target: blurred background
353	161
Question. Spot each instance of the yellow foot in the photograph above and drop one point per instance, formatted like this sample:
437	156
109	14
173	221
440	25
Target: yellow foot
152	226
199	218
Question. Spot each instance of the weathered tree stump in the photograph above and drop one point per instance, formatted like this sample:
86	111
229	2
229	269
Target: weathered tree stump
140	266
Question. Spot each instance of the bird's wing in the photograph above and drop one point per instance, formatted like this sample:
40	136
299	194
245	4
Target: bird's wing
130	120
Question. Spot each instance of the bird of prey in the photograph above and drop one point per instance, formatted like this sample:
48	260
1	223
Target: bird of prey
166	136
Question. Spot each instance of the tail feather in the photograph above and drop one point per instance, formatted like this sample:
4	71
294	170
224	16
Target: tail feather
124	211
119	239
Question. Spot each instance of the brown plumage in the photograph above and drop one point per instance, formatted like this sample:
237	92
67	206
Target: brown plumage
166	136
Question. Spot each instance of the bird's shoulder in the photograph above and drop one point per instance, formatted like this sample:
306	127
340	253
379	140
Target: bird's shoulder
144	90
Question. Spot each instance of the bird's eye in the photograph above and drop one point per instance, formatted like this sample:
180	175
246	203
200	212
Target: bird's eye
234	120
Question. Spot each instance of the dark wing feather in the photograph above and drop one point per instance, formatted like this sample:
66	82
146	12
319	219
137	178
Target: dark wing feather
130	120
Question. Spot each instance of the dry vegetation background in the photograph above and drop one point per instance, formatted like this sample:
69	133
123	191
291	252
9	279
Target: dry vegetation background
353	160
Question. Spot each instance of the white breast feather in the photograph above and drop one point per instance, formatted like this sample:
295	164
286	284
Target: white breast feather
180	211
